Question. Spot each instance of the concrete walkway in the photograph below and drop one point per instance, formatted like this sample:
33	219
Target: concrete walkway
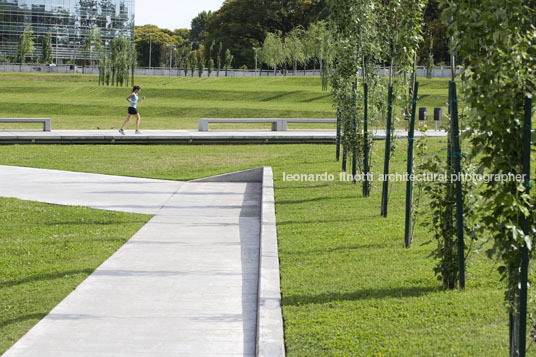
185	137
185	284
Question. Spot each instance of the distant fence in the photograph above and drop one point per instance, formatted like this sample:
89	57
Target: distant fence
437	72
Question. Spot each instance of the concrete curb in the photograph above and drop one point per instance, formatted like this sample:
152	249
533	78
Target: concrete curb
270	334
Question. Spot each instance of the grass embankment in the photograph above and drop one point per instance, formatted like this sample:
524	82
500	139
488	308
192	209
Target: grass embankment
77	102
46	251
349	286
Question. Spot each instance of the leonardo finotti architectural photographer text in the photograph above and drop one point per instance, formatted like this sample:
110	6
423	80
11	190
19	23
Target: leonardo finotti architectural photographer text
403	177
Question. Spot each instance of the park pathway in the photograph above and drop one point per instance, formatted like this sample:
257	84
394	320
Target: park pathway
185	284
302	136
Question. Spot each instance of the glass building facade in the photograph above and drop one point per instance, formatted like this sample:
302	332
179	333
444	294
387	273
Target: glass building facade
68	21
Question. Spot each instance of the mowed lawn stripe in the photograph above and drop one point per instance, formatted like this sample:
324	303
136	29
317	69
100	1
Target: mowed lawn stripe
77	102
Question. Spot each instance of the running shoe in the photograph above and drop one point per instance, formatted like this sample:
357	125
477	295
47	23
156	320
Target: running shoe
121	131
138	132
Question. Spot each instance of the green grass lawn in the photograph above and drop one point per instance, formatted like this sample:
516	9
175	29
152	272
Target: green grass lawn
77	102
349	286
46	251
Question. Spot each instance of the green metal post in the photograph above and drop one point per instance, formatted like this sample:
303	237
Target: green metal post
386	161
344	159
409	184
338	150
527	128
354	154
455	133
366	168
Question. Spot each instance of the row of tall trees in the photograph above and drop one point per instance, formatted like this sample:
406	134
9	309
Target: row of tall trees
182	49
190	60
496	46
307	48
242	25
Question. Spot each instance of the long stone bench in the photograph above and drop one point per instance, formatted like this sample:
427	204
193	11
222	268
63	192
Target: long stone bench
45	121
278	124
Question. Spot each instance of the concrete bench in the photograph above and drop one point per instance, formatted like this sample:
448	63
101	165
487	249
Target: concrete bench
45	121
278	124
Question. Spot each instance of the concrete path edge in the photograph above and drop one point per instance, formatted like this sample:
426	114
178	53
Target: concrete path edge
270	333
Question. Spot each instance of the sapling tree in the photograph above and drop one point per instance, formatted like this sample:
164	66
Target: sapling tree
309	46
187	59
133	61
294	47
324	52
201	60
210	64
120	60
357	45
218	58
228	60
439	201
401	27
430	61
192	58
26	45
46	49
370	52
344	80
273	50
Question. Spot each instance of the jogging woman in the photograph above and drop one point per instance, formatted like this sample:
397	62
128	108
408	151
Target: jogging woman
132	110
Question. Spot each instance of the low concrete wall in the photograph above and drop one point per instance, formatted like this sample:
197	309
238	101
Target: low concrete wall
270	333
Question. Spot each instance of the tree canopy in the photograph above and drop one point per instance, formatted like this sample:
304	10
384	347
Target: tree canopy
243	24
198	32
160	38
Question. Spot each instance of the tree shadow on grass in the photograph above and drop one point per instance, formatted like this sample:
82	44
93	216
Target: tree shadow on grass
309	100
279	96
289	223
65	222
345	249
296	187
36	316
315	199
44	277
364	294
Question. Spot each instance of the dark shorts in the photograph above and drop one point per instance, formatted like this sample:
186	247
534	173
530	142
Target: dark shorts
132	111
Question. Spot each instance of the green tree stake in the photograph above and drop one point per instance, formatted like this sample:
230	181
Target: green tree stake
338	150
354	144
409	184
527	128
366	183
385	188
344	159
455	133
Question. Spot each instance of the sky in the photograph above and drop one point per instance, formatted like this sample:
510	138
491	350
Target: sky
172	14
